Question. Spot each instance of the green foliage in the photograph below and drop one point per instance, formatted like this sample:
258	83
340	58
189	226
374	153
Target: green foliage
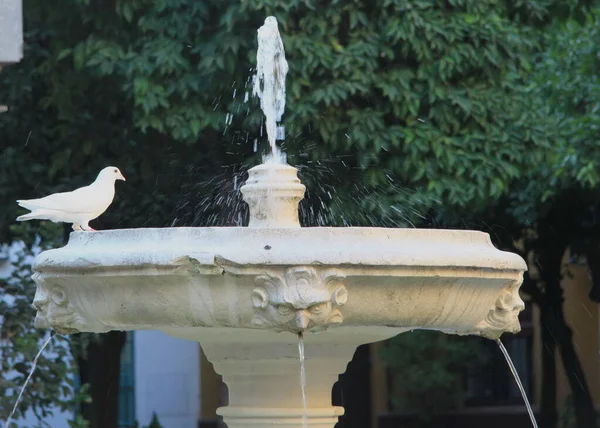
567	76
50	384
566	185
429	369
421	105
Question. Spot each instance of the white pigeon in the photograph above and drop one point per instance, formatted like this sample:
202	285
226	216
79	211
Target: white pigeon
78	207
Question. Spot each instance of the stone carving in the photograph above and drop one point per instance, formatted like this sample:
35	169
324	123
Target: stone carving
504	315
299	300
55	310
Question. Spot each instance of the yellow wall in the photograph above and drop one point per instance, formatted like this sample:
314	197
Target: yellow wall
582	315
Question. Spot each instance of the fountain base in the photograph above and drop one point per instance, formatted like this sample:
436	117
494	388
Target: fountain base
278	417
262	373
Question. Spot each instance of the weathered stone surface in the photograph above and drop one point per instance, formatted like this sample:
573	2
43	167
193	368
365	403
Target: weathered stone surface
310	279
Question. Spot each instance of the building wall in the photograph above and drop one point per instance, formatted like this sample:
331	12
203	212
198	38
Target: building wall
166	380
582	315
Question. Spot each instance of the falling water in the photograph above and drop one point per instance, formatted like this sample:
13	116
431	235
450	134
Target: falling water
519	383
302	380
269	82
33	366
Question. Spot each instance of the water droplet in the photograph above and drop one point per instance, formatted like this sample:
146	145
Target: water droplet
281	133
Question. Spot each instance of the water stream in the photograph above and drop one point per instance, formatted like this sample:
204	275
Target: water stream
269	83
303	380
518	380
33	367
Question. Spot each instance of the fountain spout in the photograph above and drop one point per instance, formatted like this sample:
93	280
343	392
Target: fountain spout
272	193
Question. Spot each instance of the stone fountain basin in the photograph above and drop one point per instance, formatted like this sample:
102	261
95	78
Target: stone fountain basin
244	293
289	279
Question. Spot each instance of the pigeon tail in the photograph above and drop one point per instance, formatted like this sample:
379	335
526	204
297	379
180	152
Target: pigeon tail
36	215
29	204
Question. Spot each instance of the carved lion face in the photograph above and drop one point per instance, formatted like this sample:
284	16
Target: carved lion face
54	309
504	315
300	300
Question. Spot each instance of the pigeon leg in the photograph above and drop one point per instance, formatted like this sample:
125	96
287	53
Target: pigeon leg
87	228
76	227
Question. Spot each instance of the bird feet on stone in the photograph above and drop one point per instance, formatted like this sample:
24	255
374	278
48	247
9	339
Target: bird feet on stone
86	228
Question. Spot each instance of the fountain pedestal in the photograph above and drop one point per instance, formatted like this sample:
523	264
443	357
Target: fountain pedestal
244	293
262	373
264	383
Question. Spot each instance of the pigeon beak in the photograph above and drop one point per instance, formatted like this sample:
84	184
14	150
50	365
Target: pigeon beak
120	177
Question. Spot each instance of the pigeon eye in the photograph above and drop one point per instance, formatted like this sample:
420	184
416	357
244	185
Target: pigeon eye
116	171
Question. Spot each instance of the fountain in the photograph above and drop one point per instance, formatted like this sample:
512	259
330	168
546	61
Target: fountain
245	293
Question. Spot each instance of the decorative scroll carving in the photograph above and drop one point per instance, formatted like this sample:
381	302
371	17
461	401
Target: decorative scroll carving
301	299
504	315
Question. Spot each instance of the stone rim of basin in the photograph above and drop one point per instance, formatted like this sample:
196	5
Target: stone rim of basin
220	247
279	278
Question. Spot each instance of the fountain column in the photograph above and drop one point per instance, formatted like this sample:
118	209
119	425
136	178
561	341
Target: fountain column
272	192
263	380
